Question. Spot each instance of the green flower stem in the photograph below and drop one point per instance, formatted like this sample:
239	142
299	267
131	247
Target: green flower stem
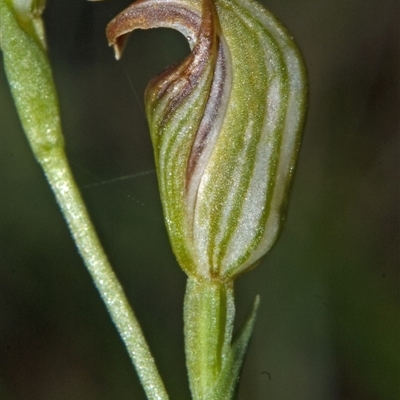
69	199
208	314
30	78
214	361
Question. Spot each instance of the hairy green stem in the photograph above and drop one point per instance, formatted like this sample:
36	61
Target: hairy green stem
72	206
29	75
213	359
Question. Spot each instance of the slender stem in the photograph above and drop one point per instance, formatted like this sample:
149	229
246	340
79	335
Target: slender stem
214	357
208	313
29	74
72	206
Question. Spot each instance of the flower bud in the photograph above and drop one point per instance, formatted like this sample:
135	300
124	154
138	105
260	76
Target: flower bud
29	16
225	125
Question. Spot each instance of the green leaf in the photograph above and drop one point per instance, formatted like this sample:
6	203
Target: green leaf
229	376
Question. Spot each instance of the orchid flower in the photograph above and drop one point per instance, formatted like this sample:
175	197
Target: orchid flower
226	125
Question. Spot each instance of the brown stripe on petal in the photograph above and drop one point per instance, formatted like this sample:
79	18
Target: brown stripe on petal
176	83
188	73
211	112
209	127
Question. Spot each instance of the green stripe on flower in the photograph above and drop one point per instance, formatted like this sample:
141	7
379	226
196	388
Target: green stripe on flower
225	125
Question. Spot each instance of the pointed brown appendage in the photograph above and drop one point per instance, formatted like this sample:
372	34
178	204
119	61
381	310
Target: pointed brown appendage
147	14
187	74
209	56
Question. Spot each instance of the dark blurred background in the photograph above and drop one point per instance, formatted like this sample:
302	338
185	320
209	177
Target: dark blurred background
328	326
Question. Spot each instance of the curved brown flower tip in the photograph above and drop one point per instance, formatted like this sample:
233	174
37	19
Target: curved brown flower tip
184	16
190	83
226	125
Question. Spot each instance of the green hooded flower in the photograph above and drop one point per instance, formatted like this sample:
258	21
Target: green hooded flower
225	125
